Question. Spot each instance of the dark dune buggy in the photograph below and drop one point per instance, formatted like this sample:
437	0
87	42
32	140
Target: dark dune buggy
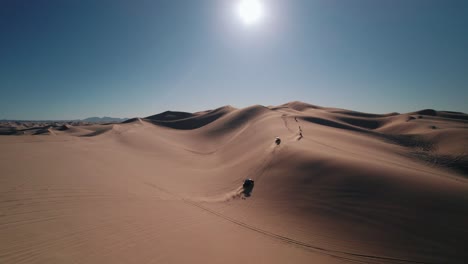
248	183
277	140
247	188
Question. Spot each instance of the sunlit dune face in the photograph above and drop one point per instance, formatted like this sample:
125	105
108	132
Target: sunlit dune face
250	11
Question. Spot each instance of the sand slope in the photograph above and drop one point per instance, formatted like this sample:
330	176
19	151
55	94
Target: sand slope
356	187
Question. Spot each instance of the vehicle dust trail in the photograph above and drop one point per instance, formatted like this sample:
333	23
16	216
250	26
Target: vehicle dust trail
299	134
343	255
285	121
226	197
300	129
265	165
239	192
266	162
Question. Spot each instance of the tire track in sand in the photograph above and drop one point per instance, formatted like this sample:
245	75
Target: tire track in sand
344	255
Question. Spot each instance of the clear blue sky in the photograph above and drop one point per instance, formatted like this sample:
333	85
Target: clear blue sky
63	59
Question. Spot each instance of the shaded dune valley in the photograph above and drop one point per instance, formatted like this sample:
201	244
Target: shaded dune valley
341	187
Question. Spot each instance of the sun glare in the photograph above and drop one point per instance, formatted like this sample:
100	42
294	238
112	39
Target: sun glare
250	11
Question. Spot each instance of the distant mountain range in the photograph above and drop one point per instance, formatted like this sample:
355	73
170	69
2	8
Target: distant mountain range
104	119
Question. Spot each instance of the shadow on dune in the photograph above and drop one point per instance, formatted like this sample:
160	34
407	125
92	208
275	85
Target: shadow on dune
187	121
237	119
444	114
64	127
296	105
422	148
330	123
98	131
170	116
458	163
35	128
454	115
365	115
366	123
408	214
8	131
428	112
44	131
412	141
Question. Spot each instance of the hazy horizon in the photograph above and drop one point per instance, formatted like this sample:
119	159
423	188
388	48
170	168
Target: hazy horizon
65	60
201	110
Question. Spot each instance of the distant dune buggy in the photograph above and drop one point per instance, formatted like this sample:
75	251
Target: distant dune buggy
277	140
248	184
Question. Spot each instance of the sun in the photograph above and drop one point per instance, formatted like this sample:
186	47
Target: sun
250	11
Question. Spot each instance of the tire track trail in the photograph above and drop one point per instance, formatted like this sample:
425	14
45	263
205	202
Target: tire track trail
344	255
261	171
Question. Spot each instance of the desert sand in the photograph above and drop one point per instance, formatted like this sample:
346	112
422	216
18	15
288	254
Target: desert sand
342	187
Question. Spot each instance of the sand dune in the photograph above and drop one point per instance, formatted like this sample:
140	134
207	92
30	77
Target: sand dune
342	187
